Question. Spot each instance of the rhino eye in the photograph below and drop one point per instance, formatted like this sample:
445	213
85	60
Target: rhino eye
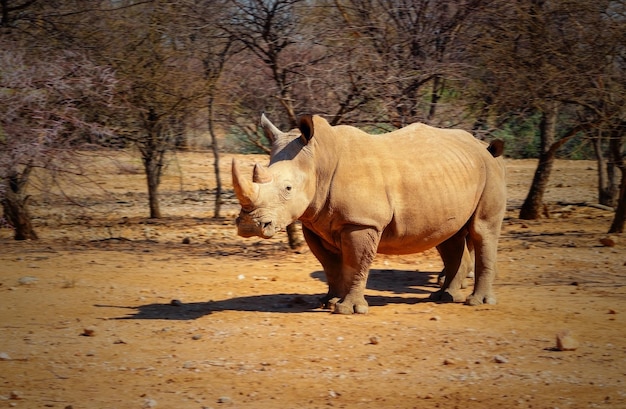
288	188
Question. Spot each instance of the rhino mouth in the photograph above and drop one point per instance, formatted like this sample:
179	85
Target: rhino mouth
262	228
267	229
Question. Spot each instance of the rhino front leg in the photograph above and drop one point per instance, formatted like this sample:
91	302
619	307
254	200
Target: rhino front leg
358	249
331	262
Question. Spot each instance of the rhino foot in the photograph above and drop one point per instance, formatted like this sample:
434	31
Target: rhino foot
475	300
351	305
328	302
447	296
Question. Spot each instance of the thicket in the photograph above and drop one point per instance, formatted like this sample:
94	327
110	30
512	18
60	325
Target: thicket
547	76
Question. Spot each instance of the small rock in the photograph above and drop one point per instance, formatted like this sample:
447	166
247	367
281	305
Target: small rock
449	361
149	403
611	311
374	340
4	356
196	337
189	365
499	359
435	318
15	395
224	399
89	332
565	342
610	241
186	240
27	280
176	303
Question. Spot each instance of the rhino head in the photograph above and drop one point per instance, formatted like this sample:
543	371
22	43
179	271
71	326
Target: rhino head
279	194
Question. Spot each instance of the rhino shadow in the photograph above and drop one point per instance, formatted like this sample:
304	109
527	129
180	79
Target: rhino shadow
396	281
384	280
180	311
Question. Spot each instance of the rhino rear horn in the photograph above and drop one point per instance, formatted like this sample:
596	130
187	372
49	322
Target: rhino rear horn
261	174
246	191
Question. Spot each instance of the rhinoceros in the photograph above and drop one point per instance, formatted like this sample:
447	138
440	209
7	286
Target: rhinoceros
358	194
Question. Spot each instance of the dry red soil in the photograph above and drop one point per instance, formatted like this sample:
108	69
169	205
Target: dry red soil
112	310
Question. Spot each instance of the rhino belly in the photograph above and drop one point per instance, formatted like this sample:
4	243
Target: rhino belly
407	238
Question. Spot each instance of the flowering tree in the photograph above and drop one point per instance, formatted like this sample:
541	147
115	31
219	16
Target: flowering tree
45	108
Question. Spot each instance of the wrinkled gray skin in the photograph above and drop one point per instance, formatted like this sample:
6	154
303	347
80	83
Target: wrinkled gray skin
399	193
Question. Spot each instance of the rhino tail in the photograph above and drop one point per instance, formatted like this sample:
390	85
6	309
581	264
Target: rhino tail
496	148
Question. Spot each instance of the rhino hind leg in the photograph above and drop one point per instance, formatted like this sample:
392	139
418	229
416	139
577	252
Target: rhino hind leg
466	269
485	238
457	262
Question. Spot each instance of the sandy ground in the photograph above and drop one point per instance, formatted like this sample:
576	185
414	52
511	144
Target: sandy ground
112	310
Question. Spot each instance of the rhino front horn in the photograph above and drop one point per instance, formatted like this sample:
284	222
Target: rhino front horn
245	190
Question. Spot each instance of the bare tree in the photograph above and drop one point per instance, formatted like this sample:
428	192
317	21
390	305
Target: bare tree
213	46
44	116
163	79
541	58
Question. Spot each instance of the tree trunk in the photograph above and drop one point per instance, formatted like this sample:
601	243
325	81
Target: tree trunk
153	196
608	188
619	220
216	161
615	148
15	208
533	204
153	164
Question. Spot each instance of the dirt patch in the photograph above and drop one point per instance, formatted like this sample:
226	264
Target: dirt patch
112	310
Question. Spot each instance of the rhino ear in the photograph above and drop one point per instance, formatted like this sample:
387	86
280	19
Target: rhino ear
271	132
306	127
496	147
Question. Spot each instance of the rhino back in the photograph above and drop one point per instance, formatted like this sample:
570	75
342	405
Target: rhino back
417	185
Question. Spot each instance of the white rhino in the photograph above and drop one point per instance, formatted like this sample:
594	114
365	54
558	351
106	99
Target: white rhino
358	194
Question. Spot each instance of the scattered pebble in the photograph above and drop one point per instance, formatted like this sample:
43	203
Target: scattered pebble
15	395
435	318
186	240
149	403
224	399
610	241
196	337
176	303
189	365
565	342
4	356
374	340
449	361
27	280
499	359
89	332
